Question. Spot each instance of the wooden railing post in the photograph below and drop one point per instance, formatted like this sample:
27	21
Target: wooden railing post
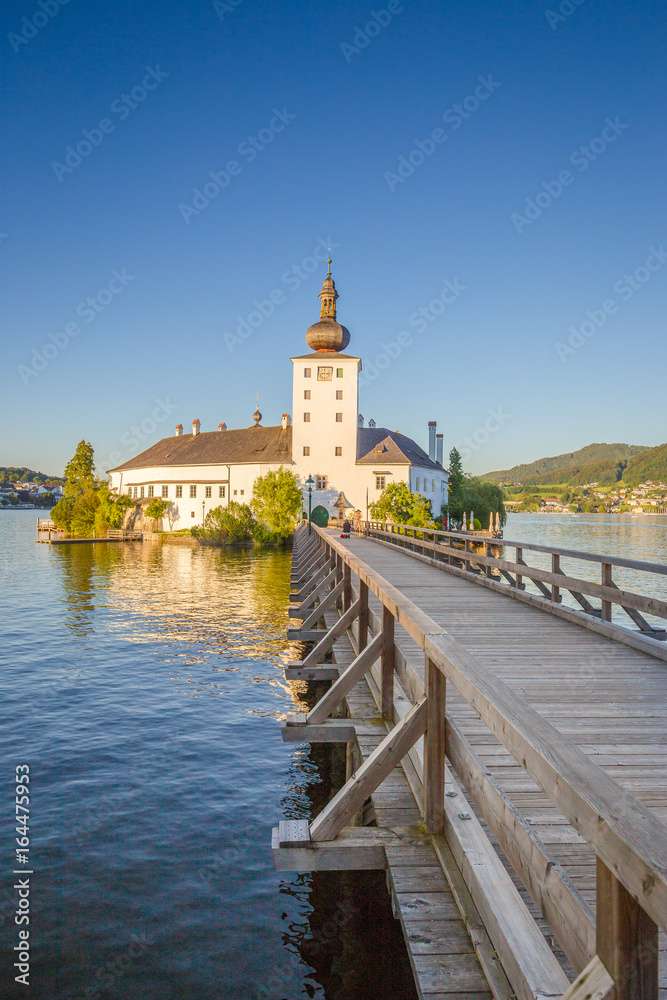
347	589
626	939
519	559
487	552
388	659
606	582
555	568
363	615
339	577
434	749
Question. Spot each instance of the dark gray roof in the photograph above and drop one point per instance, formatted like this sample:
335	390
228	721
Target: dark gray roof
248	446
377	445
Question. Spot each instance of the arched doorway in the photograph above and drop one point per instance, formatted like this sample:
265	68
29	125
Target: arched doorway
320	516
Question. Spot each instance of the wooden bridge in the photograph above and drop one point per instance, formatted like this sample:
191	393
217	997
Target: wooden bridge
507	756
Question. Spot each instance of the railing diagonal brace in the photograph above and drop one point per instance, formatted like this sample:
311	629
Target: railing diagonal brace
346	681
372	772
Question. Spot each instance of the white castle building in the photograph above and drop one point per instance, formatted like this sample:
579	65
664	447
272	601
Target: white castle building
325	437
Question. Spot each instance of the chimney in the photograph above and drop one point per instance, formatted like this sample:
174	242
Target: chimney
286	421
222	427
439	448
432	424
196	426
179	430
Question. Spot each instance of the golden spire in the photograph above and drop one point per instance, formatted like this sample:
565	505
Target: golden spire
328	295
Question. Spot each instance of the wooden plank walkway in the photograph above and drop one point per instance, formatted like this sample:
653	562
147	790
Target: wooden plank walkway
444	962
606	697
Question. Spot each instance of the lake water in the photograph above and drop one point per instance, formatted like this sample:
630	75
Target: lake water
639	537
143	685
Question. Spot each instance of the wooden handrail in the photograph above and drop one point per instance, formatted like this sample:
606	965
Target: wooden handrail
556	578
626	836
645	567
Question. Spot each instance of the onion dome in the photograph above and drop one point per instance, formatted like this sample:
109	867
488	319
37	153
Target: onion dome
328	335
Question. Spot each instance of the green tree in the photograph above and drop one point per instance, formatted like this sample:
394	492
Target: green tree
398	504
456	482
80	470
231	524
83	513
277	501
110	510
156	509
469	493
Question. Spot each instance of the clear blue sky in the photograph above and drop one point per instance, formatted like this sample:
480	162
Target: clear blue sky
215	75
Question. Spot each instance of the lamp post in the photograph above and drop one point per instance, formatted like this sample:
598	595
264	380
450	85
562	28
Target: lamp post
309	484
202	514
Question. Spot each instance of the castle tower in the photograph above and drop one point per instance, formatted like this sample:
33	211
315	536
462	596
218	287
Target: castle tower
325	402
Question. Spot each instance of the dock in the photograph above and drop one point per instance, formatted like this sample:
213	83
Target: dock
57	536
507	757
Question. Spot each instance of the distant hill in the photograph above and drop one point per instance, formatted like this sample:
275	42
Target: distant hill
650	463
12	474
602	463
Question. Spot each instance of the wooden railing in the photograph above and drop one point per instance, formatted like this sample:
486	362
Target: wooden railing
477	558
123	533
614	954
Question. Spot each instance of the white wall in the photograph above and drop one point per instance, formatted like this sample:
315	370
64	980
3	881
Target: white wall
186	511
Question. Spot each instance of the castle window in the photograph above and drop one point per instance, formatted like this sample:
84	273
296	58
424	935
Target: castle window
339	418
339	393
339	451
306	449
339	373
307	372
242	492
193	491
306	393
433	485
192	513
306	417
151	491
320	482
179	492
142	492
221	491
418	482
209	491
380	482
165	492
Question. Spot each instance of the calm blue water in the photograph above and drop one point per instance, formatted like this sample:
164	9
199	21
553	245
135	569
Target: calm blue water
143	685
